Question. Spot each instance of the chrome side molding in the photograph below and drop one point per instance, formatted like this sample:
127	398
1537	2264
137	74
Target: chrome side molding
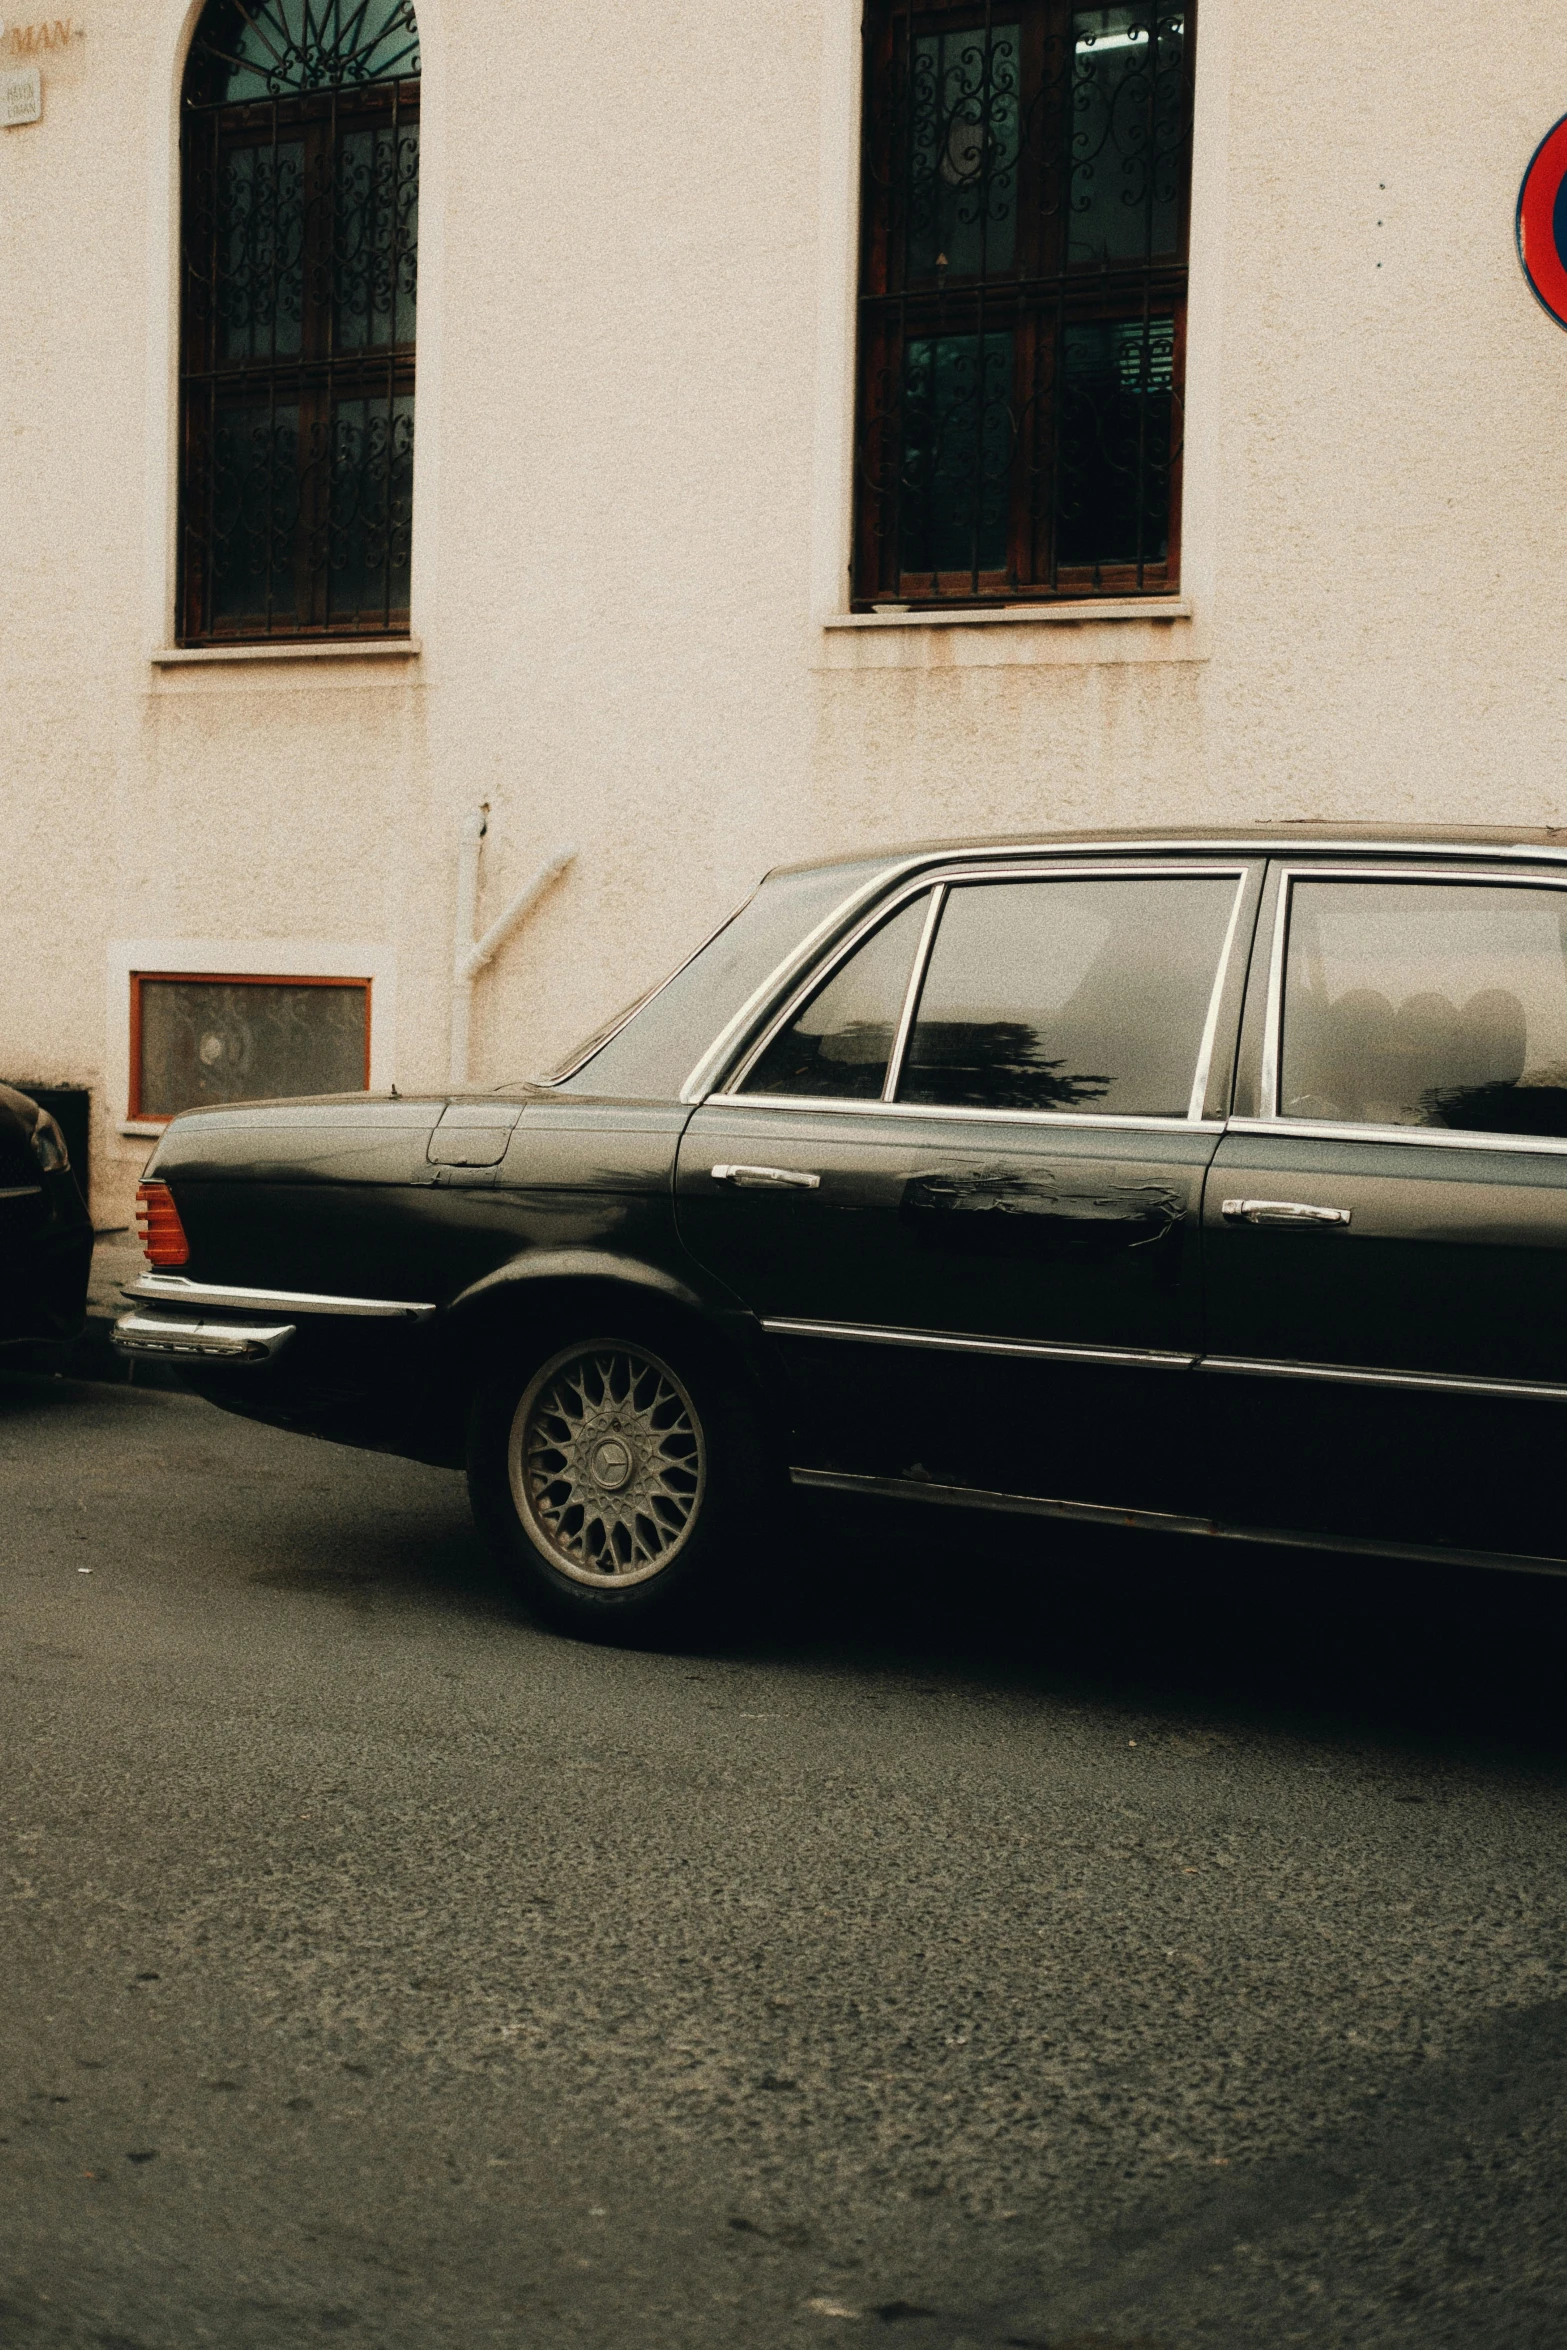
1144	1358
1091	1513
1139	1358
175	1289
1352	1375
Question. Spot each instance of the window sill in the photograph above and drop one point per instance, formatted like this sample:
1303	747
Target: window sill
151	1128
1015	615
1152	628
369	648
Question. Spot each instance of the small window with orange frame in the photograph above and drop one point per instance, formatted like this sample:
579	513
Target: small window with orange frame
198	1039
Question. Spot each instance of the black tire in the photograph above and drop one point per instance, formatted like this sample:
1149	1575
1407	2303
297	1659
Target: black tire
618	1474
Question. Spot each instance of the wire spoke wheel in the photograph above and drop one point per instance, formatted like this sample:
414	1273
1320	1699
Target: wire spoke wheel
608	1463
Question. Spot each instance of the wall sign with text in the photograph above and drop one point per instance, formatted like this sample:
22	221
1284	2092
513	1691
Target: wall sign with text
21	95
1542	223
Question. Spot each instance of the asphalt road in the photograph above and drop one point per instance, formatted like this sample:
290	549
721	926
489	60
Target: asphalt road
992	1946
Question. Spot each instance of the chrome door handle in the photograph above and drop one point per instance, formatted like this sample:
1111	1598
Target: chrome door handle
1281	1211
768	1178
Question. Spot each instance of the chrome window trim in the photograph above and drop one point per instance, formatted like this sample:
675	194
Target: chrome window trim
925	863
1101	1121
911	993
1210	1031
1426	1137
1093	1513
175	1289
782	974
940	882
816	975
1271	1119
1050	1350
1268	1085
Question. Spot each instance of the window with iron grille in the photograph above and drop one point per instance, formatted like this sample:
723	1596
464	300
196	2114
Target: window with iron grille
300	162
1022	313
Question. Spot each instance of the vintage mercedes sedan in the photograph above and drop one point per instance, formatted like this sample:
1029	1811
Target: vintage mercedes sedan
1211	1185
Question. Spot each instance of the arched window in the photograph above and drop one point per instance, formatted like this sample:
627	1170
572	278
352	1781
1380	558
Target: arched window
300	159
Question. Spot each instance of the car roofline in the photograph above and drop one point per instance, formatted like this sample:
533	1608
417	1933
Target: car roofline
1491	840
1263	841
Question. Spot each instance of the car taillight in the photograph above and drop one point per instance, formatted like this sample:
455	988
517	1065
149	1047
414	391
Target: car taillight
158	1223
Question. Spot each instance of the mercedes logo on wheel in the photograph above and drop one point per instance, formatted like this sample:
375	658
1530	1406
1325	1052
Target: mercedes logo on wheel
611	1463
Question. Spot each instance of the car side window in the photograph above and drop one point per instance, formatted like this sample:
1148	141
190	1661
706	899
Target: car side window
838	1045
1072	993
1414	1003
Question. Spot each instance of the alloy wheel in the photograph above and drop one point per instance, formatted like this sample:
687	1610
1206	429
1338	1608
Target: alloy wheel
607	1463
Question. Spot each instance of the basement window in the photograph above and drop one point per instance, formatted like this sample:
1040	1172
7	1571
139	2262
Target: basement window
199	1040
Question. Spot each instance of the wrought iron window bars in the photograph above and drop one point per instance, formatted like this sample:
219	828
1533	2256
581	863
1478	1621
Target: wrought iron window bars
1022	300
300	158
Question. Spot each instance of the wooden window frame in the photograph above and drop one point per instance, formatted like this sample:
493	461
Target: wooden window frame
1036	299
137	1112
316	381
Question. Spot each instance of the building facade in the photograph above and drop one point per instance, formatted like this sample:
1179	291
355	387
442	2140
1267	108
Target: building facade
701	438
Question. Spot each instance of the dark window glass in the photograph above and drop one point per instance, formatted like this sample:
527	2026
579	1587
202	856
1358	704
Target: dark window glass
300	245
259	263
1113	497
1022	300
963	149
837	1048
957	414
1069	995
1129	131
650	1051
1426	1004
246	1040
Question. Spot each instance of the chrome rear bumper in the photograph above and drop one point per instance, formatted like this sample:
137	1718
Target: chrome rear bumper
176	1290
179	1335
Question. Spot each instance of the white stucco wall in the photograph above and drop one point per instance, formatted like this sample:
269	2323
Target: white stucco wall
637	245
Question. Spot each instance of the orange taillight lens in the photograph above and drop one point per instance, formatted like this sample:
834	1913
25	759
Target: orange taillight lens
158	1223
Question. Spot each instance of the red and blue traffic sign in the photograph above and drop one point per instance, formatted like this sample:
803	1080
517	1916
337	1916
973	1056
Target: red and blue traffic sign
1542	223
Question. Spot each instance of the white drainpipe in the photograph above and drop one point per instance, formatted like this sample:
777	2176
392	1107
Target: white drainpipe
470	955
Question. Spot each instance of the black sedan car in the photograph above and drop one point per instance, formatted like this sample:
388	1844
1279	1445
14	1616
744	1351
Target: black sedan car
1206	1184
45	1230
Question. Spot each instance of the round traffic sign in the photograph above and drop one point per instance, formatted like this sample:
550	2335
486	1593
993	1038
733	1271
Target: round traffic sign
1542	223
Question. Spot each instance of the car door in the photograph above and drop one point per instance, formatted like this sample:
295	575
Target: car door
959	1180
1385	1223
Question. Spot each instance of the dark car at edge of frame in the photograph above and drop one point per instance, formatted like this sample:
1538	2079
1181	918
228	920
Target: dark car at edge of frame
45	1230
1213	1183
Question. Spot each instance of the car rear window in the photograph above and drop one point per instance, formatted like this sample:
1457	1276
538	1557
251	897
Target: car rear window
649	1053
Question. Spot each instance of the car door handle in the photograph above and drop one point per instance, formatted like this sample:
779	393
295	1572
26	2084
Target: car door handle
1281	1211
768	1178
